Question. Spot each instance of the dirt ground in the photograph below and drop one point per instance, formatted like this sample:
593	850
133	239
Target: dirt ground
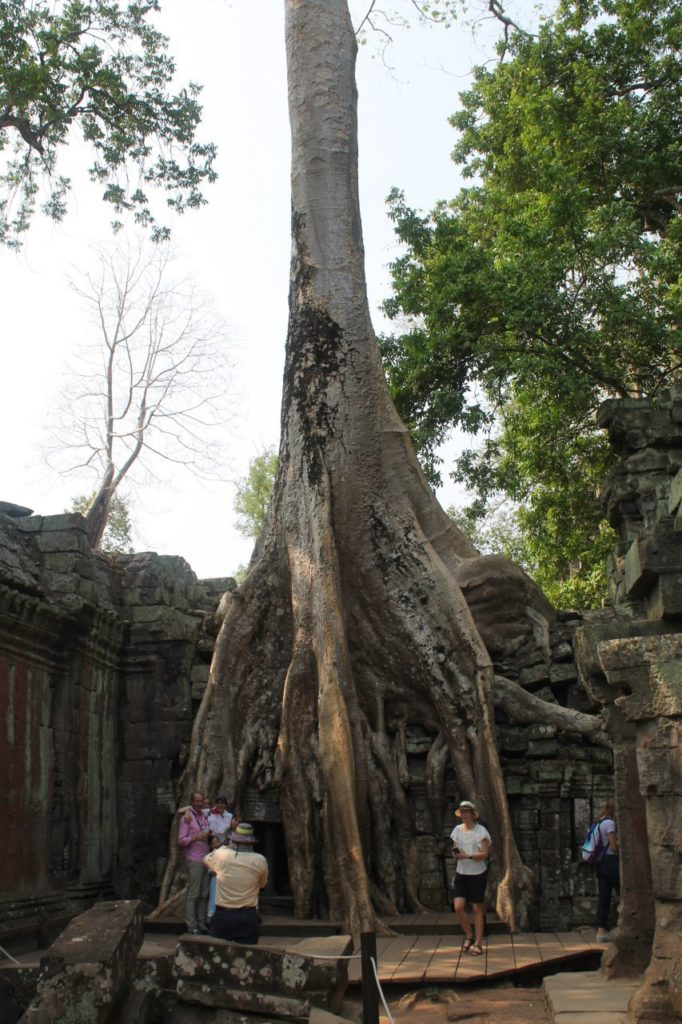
503	1004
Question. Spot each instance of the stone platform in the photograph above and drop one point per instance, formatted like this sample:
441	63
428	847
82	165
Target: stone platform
588	998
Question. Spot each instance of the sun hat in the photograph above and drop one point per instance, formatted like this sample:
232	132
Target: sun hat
466	805
243	835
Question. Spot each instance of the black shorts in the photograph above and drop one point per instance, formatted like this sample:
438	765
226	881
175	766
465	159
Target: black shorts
470	887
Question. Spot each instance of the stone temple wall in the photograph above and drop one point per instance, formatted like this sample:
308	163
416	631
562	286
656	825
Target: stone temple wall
632	667
98	660
103	661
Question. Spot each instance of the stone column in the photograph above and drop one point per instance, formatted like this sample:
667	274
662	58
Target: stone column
633	938
647	672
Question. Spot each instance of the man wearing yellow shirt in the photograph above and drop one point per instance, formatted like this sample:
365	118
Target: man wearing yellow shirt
240	875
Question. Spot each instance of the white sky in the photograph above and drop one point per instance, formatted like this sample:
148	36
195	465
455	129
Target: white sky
237	248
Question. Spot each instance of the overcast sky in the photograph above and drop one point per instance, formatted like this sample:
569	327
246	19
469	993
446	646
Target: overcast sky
237	248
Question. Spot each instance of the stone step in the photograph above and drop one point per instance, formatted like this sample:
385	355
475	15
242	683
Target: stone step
588	997
432	923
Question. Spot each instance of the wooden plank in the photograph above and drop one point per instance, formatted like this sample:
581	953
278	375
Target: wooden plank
355	968
413	967
443	963
526	952
393	955
573	942
472	968
500	957
551	948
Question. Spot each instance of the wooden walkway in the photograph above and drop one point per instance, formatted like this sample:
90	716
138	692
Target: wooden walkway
433	959
426	948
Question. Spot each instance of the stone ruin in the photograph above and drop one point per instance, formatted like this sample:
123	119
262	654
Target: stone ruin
94	974
103	660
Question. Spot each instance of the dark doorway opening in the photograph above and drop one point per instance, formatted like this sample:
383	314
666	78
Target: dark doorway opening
277	896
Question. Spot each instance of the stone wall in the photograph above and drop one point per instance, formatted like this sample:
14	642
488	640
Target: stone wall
103	661
633	668
98	659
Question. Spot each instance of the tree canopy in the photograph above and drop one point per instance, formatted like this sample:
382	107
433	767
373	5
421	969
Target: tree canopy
254	493
117	538
102	67
553	281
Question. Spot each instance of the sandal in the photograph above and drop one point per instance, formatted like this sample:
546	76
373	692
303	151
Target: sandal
476	950
466	945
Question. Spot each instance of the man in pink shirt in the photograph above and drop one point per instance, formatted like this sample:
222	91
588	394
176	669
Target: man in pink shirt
193	837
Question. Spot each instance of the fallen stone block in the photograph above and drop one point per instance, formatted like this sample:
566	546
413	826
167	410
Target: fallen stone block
174	1012
139	1007
88	968
283	983
327	979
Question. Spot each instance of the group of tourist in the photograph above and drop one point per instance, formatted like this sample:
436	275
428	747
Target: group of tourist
224	873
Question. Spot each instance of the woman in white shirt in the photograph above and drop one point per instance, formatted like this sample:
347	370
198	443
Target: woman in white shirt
471	849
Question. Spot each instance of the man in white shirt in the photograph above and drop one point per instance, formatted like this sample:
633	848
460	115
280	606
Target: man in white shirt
240	875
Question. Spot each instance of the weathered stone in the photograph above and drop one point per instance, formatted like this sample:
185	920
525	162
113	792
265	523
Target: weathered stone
89	968
199	680
675	496
8	508
665	599
649	672
534	674
178	1013
562	651
257	979
563	673
63	540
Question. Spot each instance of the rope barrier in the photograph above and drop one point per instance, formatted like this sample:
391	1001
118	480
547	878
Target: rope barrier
376	978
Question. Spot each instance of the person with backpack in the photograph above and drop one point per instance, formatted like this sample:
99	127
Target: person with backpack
471	849
608	866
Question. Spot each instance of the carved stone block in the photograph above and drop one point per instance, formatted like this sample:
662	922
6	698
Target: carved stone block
258	979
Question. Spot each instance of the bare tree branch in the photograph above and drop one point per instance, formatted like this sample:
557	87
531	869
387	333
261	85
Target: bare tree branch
154	378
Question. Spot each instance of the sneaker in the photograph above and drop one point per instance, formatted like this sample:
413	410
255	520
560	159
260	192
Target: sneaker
602	938
203	931
196	931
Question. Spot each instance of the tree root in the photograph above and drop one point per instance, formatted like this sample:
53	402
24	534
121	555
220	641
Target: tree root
522	707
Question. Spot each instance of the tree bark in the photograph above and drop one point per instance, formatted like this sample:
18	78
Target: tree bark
350	626
97	516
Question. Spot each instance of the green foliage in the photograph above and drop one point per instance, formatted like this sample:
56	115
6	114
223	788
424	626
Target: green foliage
554	281
253	494
117	538
239	575
103	67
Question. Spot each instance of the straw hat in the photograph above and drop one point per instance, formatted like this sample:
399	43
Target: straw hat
243	835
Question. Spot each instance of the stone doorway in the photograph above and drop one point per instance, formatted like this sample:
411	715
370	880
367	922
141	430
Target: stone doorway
277	896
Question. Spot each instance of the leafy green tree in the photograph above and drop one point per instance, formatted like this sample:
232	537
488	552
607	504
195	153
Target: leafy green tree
254	492
117	537
553	281
103	68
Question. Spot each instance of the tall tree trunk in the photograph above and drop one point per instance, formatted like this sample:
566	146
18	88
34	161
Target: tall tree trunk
97	516
350	626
